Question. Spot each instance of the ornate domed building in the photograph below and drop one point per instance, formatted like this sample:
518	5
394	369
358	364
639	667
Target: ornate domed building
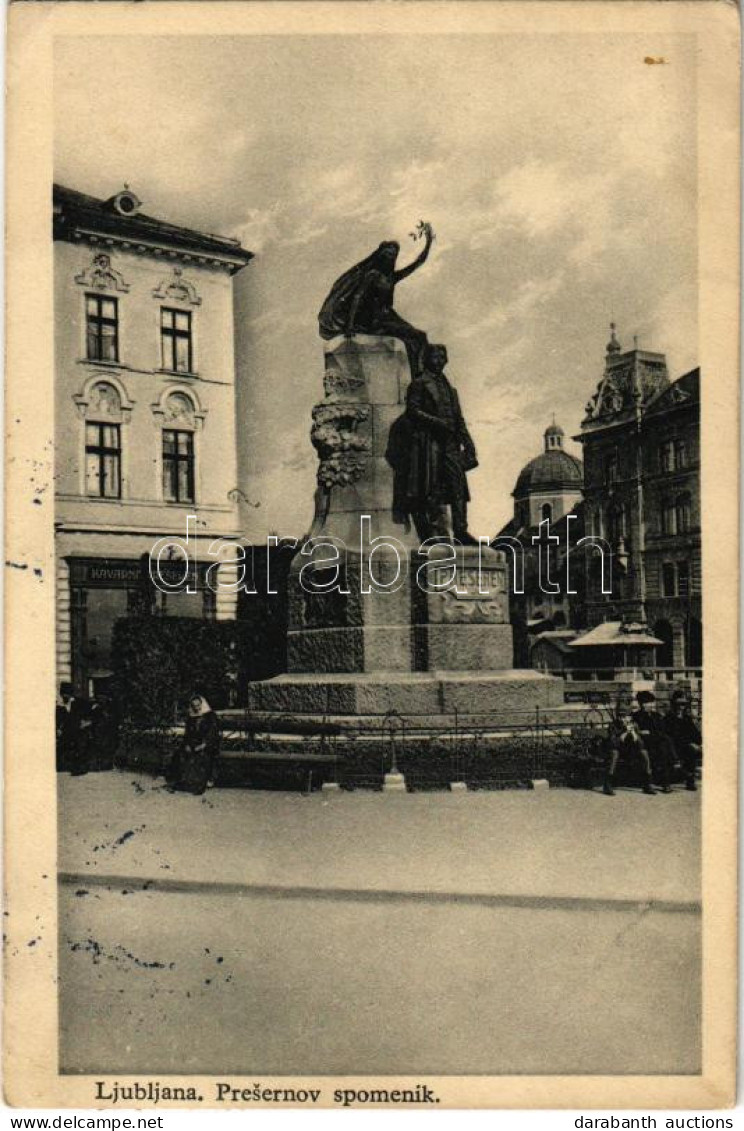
550	485
641	445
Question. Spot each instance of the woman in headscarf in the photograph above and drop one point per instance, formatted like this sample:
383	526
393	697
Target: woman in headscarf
193	767
361	301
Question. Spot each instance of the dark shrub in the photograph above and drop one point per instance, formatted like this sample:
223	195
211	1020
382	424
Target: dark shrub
160	661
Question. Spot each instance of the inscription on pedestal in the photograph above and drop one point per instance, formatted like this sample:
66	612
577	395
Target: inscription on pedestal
342	386
475	597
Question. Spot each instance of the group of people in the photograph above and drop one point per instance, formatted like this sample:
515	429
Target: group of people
87	731
654	741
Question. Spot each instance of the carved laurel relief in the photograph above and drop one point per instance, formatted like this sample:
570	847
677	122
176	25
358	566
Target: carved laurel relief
340	447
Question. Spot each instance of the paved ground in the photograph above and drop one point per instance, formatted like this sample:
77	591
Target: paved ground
507	932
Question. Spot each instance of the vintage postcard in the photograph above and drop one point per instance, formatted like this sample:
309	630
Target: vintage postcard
371	557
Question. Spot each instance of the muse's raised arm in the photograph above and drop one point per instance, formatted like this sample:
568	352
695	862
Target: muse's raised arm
421	258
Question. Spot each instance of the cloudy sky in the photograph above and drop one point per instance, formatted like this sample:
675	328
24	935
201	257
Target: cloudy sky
558	173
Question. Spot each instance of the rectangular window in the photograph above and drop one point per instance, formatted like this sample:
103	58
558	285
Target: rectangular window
101	328
178	466
683	579
617	524
610	469
667	455
103	461
668	517
175	337
667	579
680	455
183	605
682	509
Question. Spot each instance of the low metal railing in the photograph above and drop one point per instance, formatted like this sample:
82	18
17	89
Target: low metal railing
602	674
490	750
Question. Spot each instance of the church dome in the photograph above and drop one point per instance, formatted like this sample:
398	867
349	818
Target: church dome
553	470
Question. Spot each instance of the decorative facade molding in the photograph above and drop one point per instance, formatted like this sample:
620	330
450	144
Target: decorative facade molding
104	398
175	288
148	247
178	406
101	276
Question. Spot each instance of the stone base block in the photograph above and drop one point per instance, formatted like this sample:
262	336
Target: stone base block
347	694
500	693
394	783
466	647
401	648
357	649
422	697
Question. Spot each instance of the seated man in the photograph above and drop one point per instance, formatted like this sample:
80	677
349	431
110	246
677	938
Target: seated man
685	736
623	741
652	730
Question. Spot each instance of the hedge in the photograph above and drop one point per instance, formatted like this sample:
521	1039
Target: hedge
159	662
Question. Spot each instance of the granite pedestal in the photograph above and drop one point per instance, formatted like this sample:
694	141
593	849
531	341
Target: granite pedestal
375	624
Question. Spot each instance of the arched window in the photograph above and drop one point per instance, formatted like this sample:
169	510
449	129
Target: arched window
179	467
104	403
682	513
179	408
103	416
546	512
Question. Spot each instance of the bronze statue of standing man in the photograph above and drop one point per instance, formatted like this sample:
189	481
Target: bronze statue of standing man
430	450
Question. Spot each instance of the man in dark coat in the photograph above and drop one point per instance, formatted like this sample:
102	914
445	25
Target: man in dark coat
104	730
652	730
73	732
685	735
64	727
624	741
430	449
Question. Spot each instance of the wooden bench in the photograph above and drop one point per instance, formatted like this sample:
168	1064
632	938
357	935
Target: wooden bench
311	760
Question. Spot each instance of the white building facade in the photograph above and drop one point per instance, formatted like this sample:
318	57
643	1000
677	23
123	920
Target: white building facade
145	422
